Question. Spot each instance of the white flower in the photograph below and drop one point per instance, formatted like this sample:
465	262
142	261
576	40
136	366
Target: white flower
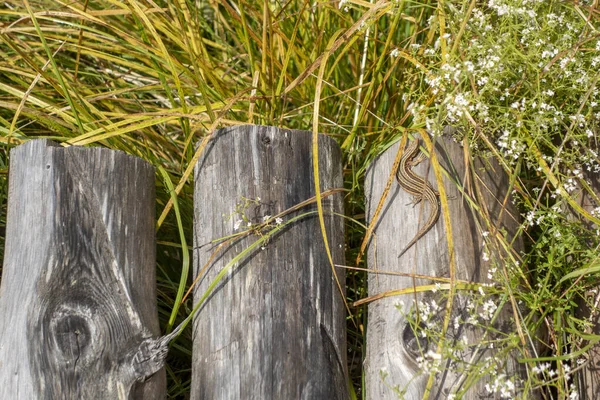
567	368
278	220
457	323
541	368
504	386
530	216
489	307
574	395
237	224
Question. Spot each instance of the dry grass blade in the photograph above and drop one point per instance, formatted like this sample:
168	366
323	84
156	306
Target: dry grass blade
156	80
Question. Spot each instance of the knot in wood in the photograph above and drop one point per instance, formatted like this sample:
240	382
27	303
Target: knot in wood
71	334
411	343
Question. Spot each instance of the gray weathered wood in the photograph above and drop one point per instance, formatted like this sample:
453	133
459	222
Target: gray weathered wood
274	327
588	379
392	349
77	301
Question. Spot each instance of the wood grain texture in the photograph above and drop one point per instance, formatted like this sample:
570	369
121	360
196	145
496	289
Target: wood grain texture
588	379
392	347
77	301
275	327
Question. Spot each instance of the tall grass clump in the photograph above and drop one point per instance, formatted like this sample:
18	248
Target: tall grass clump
516	78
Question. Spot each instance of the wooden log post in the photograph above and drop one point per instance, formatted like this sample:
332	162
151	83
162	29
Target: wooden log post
399	358
274	326
77	301
588	378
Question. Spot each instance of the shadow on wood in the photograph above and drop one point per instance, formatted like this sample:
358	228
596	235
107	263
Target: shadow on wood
77	301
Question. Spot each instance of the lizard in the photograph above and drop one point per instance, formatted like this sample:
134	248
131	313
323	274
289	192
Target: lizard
418	187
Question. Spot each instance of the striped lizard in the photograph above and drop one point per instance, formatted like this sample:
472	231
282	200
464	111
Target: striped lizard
418	187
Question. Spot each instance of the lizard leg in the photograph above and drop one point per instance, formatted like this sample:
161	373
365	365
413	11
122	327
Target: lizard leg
415	200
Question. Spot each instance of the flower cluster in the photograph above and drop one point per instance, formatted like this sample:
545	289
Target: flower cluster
429	362
518	79
503	386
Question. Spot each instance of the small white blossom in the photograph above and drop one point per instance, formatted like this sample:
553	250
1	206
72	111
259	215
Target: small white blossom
503	386
489	307
538	369
573	395
430	362
529	217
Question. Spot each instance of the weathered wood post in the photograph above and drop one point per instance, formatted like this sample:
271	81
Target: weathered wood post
399	359
77	301
588	379
274	326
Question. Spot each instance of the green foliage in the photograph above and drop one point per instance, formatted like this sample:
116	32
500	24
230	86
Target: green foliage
518	78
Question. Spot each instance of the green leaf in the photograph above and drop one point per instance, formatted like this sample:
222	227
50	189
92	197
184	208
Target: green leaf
582	271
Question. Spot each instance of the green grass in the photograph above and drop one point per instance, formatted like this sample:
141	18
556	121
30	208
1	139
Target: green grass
517	78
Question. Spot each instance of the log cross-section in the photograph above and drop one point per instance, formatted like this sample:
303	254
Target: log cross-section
77	301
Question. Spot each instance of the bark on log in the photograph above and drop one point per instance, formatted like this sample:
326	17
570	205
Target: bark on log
395	350
274	327
77	301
